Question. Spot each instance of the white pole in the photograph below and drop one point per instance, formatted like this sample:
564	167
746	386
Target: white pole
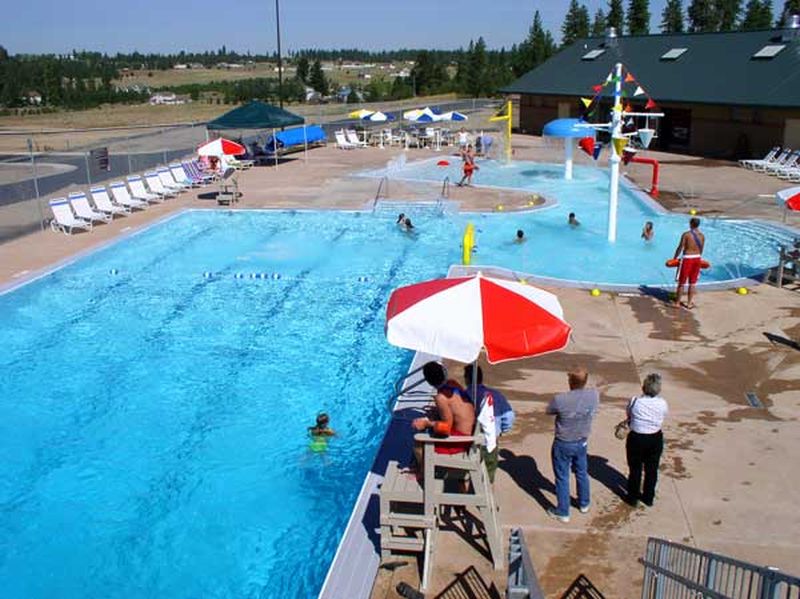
614	159
568	158
305	144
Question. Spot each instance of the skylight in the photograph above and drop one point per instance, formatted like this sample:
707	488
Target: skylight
592	54
673	54
769	51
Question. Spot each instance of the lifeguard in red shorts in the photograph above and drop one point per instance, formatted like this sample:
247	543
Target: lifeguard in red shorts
690	249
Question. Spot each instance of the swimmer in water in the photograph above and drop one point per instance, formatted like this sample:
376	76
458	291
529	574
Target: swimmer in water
320	433
400	218
407	225
520	238
648	232
572	221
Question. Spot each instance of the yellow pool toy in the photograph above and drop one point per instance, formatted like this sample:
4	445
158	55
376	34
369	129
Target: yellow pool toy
693	212
595	293
742	291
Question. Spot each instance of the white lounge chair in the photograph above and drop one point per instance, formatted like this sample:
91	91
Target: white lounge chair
777	161
195	174
155	184
80	204
103	202
790	165
168	181
342	143
123	197
139	192
771	155
63	218
181	177
352	137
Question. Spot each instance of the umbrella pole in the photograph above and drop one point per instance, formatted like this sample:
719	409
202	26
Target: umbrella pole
475	387
275	147
305	144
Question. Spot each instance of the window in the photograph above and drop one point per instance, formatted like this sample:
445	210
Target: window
769	51
592	54
673	54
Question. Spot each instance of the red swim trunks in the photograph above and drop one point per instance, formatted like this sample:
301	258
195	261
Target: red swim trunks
454	448
689	270
468	168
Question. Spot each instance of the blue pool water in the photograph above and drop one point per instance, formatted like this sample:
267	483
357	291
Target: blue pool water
734	248
153	423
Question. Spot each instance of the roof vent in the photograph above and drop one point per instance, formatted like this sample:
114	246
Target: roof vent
611	33
794	22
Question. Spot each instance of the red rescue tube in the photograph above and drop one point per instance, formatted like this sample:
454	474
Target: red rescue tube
675	262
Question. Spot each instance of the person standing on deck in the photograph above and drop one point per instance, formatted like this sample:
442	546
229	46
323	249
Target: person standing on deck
690	248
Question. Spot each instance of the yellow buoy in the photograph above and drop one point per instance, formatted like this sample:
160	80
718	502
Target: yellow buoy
595	292
499	207
531	203
693	212
742	291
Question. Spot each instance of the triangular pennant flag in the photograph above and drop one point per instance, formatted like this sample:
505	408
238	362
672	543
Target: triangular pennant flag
597	88
628	108
586	102
646	136
629	78
587	144
619	144
618	107
616	79
639	91
623	94
608	79
597	148
650	104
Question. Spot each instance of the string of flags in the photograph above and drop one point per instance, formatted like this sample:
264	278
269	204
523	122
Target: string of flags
590	105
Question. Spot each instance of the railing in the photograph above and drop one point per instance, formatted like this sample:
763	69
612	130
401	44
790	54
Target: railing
383	191
399	390
522	581
445	188
675	570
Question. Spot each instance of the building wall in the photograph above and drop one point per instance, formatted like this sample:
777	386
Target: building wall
713	131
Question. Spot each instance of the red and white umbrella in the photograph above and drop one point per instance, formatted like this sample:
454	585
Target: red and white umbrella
221	147
789	198
457	318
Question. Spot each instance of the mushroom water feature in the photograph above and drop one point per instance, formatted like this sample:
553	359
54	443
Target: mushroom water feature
568	130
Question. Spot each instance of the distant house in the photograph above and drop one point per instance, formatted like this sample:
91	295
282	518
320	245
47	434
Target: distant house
403	74
197	65
33	98
166	98
729	94
180	67
313	96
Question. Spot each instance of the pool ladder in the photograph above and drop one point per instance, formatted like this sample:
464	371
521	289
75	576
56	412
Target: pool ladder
383	191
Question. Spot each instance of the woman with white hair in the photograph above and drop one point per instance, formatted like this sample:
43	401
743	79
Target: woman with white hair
645	441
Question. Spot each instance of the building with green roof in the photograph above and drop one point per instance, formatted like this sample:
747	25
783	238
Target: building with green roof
732	94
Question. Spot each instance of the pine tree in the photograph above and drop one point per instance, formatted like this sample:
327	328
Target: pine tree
672	17
537	48
599	23
317	80
302	69
639	17
727	14
616	15
757	15
702	16
476	76
790	7
576	23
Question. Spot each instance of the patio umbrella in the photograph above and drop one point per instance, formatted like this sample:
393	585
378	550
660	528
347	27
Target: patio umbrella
457	318
453	115
378	117
360	113
421	115
789	198
221	147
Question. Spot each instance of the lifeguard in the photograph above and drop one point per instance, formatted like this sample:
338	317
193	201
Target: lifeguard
690	249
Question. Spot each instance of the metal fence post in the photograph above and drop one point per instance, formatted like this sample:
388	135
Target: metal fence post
663	561
88	174
128	147
36	184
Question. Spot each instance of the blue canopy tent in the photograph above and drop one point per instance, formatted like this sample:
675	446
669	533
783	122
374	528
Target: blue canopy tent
299	137
568	129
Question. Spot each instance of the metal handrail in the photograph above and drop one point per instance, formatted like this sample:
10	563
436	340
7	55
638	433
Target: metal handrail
522	580
383	186
398	386
445	187
672	569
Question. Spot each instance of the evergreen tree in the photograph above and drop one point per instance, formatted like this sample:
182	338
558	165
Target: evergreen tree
599	23
757	15
576	23
616	15
639	17
790	7
537	48
302	69
3	54
727	14
672	17
317	80
702	16
476	76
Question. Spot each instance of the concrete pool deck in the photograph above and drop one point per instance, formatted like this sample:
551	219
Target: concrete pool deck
724	484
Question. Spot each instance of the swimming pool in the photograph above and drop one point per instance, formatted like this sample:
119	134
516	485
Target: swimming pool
157	395
736	249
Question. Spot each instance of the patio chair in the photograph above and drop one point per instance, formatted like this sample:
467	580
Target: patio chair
63	218
771	155
777	161
139	192
103	202
239	165
342	143
787	165
168	181
410	512
80	205
194	173
154	182
352	137
181	176
123	197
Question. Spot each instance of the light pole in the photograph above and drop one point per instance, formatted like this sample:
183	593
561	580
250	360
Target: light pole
280	60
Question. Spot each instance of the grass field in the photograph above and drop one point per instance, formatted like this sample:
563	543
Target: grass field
171	77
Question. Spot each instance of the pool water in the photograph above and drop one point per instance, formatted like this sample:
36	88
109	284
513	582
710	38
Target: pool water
156	398
735	249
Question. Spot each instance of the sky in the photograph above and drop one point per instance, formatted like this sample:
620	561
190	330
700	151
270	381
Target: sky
36	26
